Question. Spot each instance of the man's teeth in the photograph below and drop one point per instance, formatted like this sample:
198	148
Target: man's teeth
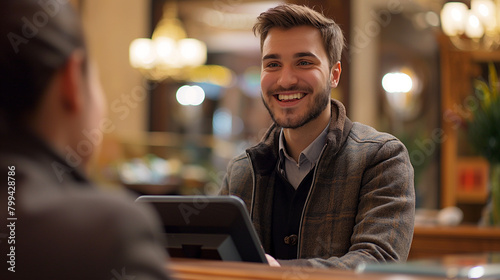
284	97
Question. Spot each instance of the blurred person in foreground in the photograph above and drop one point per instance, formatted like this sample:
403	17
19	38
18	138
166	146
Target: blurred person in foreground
321	190
61	226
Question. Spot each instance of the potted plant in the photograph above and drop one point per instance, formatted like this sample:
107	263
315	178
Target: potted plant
484	134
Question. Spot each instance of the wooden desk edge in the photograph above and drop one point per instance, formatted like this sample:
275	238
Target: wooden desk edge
184	269
461	230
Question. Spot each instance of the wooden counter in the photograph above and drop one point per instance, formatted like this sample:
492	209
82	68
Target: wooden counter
435	241
183	269
428	242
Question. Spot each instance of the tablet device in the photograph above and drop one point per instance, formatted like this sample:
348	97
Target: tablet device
207	227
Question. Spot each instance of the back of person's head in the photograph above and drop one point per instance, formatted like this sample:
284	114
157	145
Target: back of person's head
36	39
287	16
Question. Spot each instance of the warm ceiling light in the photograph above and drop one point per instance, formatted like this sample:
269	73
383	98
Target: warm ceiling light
453	17
402	92
190	95
168	54
397	82
475	28
485	10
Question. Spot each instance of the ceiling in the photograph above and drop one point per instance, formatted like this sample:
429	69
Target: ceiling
224	25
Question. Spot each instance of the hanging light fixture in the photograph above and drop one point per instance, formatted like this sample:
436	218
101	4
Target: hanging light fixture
476	28
169	53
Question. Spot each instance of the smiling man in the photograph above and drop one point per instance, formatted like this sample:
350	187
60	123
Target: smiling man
321	190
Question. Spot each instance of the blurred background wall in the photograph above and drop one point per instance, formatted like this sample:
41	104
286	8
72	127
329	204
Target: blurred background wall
158	145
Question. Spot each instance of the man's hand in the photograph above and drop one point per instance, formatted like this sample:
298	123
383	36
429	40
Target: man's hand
272	261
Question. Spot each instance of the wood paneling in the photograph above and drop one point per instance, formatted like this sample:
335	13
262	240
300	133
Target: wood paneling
435	242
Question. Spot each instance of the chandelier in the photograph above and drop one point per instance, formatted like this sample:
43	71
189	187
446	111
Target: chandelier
169	54
476	28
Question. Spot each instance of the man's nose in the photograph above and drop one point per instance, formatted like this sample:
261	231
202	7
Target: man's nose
287	77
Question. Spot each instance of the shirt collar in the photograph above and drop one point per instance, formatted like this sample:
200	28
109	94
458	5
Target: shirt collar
311	153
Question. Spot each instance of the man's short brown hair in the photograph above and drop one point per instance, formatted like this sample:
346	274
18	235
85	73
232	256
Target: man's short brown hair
287	16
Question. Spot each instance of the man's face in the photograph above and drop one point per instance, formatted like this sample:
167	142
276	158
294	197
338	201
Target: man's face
296	79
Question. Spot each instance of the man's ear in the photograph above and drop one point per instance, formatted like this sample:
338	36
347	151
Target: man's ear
335	75
72	82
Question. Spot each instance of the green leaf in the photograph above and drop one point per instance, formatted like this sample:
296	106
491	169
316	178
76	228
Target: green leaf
484	126
493	77
482	93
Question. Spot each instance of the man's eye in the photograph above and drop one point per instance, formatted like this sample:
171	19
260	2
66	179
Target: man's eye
273	64
304	63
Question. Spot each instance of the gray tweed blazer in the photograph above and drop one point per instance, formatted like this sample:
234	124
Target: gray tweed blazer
360	207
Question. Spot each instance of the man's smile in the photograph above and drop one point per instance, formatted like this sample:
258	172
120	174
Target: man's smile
290	97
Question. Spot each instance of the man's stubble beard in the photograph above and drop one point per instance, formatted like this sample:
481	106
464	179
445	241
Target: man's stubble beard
319	104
